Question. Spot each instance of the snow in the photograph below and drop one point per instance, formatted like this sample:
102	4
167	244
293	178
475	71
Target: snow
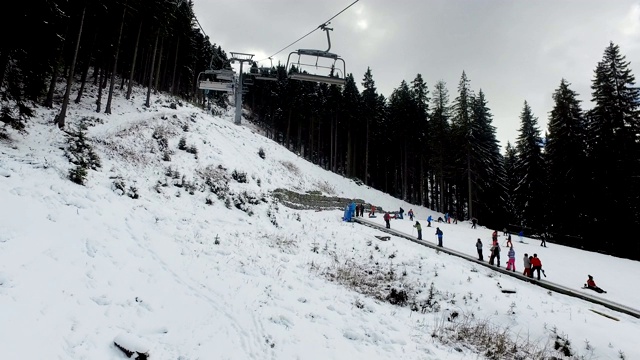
81	266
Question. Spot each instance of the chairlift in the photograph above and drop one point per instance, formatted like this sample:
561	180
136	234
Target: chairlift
266	73
216	79
332	74
208	80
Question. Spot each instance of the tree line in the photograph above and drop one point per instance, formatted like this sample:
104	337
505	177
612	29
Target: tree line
577	185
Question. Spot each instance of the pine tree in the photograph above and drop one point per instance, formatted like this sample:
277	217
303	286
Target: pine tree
439	134
530	171
420	96
612	134
486	167
369	110
511	183
461	153
565	152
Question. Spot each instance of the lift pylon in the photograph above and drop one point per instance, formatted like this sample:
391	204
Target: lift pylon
241	58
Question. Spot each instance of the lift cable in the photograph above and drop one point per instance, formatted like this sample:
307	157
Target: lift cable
321	26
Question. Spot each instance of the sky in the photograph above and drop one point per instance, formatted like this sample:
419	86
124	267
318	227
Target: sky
84	267
514	51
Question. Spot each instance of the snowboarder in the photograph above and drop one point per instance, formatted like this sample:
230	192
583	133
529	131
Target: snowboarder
592	285
439	234
387	219
410	213
511	263
479	247
419	228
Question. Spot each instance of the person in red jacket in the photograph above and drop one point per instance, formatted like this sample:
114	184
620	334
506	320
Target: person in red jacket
387	218
592	285
536	265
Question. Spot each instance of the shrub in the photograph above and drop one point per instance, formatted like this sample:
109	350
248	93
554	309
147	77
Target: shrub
78	175
261	153
239	176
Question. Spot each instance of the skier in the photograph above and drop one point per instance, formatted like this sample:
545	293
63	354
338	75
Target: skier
401	213
439	234
509	243
479	247
429	221
419	228
520	235
511	263
387	218
474	222
544	240
410	213
592	285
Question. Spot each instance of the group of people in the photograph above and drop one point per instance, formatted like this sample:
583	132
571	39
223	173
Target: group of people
532	264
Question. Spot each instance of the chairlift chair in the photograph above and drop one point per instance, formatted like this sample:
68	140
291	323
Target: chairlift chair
335	74
216	80
266	73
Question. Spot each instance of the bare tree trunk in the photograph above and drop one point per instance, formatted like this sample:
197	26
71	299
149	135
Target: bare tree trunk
366	156
60	119
133	62
107	109
85	72
288	128
4	61
153	64
99	99
155	88
54	79
175	67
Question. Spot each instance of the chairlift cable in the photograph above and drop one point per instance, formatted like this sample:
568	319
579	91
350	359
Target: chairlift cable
309	33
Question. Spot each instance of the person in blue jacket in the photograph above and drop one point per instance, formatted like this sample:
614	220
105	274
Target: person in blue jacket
429	221
439	234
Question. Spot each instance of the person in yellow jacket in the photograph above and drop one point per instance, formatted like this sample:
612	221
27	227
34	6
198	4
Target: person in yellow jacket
419	228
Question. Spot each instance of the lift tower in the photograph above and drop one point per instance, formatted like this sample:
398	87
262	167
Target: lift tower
242	58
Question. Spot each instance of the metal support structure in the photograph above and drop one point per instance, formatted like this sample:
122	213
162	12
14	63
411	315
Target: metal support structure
242	58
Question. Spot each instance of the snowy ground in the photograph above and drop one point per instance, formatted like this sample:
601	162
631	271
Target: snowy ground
245	277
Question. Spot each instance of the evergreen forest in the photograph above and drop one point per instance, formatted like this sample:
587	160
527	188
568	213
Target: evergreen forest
428	144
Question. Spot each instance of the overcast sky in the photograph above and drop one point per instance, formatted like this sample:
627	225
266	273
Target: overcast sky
512	50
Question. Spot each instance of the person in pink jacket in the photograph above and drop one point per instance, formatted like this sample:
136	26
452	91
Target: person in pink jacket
511	263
